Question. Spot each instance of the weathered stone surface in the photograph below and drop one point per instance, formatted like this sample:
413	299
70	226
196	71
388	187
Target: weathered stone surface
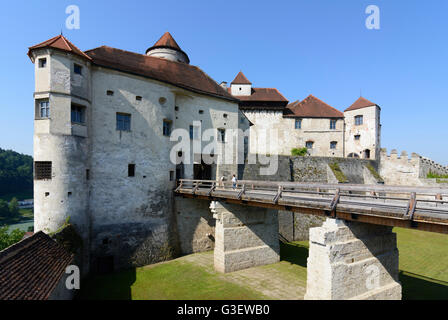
349	260
245	237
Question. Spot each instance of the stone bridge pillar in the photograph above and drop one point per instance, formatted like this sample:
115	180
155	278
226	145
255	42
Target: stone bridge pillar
352	260
245	236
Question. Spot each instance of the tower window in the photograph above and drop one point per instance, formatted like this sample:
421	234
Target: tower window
131	170
42	62
44	109
309	144
298	124
171	175
201	111
42	170
332	124
357	137
87	174
333	144
225	115
138	98
77	69
109	92
358	120
167	127
222	135
78	114
123	122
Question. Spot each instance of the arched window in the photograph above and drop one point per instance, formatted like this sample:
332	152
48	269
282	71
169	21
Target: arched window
353	155
309	144
333	144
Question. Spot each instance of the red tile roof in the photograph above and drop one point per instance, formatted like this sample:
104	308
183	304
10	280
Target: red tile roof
59	43
311	107
360	103
240	79
176	73
166	41
32	268
263	94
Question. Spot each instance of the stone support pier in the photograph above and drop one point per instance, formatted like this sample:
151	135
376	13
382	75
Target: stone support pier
245	237
352	260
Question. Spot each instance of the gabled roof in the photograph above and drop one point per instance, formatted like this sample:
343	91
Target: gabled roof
32	268
360	103
178	74
311	107
59	43
262	94
166	41
240	79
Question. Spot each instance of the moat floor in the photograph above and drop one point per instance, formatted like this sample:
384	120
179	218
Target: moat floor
423	275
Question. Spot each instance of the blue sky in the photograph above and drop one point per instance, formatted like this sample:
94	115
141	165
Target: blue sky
300	47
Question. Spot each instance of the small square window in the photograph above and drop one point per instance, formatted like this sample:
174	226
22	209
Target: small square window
333	144
138	98
309	144
131	170
44	109
42	62
109	92
176	108
78	114
123	122
42	170
357	137
332	124
87	174
77	69
201	111
225	115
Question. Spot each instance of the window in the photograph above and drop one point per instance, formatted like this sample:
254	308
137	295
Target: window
333	144
78	114
357	137
332	124
201	111
44	109
87	174
131	170
109	92
42	170
309	144
42	63
138	98
167	127
298	124
225	115
123	122
191	132
176	108
77	69
171	175
358	120
222	135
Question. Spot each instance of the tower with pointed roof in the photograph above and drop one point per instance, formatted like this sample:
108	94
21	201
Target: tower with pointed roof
167	48
362	130
241	86
61	137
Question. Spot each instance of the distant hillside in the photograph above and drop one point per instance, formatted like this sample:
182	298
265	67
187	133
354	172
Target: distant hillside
16	172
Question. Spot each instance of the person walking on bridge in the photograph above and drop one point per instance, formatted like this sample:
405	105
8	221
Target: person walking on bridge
234	181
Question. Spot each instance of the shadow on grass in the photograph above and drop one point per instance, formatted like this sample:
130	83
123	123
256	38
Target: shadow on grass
113	286
417	287
294	253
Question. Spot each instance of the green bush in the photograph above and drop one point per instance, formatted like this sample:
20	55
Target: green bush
8	239
432	175
299	151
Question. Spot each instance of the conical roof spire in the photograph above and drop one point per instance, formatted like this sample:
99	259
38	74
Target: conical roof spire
241	79
164	45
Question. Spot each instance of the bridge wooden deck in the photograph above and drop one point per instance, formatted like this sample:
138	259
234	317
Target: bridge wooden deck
424	208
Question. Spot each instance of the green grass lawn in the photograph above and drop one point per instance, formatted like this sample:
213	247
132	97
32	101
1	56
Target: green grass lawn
423	274
168	281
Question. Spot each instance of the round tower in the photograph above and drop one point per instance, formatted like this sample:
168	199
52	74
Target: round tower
167	48
61	139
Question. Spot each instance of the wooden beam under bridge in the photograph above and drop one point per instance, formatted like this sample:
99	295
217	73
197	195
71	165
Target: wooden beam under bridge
418	208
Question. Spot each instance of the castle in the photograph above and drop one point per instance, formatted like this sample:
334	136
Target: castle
103	150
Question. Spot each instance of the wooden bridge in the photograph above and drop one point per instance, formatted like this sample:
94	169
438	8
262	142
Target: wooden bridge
423	208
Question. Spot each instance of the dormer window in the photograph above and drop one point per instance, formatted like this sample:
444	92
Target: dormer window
77	69
42	62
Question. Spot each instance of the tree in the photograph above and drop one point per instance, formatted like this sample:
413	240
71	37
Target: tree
8	239
299	151
4	210
13	207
